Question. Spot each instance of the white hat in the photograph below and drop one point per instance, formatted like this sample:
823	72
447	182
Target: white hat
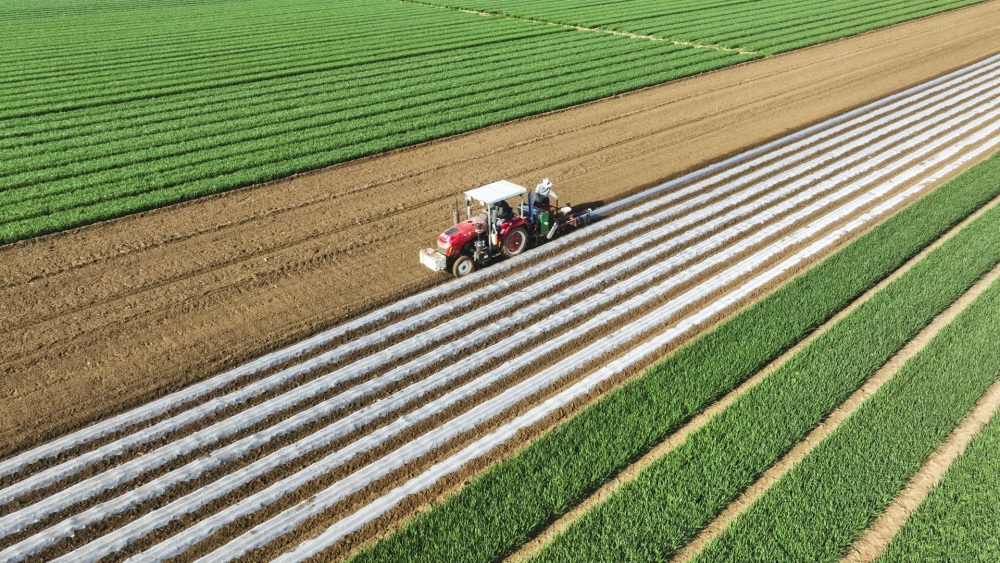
546	183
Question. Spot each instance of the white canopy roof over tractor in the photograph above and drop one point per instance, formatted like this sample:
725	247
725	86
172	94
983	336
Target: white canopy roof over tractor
497	191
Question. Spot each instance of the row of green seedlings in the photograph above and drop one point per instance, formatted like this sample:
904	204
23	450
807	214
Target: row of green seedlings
359	40
272	155
82	37
366	49
362	95
824	503
959	519
355	126
29	9
770	28
501	509
779	24
301	88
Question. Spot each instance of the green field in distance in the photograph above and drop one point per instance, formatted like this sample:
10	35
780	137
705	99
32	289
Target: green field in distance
109	107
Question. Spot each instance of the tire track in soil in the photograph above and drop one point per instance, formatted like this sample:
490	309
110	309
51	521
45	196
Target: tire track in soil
96	331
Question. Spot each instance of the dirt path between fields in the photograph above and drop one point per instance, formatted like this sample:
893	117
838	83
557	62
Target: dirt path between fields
108	316
883	530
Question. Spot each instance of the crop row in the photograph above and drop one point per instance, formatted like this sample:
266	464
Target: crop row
771	27
959	519
344	108
236	99
817	510
499	510
311	147
245	70
153	30
165	47
178	155
280	53
195	98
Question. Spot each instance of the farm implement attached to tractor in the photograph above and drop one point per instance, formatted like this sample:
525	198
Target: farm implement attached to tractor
499	230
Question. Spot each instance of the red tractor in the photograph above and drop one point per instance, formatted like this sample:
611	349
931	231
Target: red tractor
500	229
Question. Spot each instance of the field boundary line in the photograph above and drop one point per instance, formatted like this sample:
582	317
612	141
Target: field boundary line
830	425
673	441
680	42
880	533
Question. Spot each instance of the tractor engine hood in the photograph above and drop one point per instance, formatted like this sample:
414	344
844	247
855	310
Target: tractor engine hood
452	240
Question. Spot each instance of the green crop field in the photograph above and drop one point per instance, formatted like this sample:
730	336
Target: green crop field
109	107
959	520
817	510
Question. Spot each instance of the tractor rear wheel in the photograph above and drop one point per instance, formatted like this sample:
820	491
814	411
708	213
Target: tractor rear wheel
463	266
515	242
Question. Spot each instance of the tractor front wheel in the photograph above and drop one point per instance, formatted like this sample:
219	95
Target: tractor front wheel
463	266
515	242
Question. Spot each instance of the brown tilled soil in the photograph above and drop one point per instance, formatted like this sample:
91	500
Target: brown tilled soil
105	317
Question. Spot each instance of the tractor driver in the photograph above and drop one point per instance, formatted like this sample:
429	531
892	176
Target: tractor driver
543	192
502	210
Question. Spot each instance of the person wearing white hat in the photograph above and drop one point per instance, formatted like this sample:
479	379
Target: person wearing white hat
543	192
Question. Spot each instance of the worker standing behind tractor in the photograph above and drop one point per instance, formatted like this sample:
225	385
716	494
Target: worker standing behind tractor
543	192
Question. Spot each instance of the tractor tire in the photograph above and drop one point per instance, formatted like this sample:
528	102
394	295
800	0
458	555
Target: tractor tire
515	242
463	266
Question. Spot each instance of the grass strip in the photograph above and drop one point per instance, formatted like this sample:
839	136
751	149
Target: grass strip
502	508
824	503
669	502
959	519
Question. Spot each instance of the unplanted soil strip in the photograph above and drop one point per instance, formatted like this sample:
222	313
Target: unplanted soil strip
883	530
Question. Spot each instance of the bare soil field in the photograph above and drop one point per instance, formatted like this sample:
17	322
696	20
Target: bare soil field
108	316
